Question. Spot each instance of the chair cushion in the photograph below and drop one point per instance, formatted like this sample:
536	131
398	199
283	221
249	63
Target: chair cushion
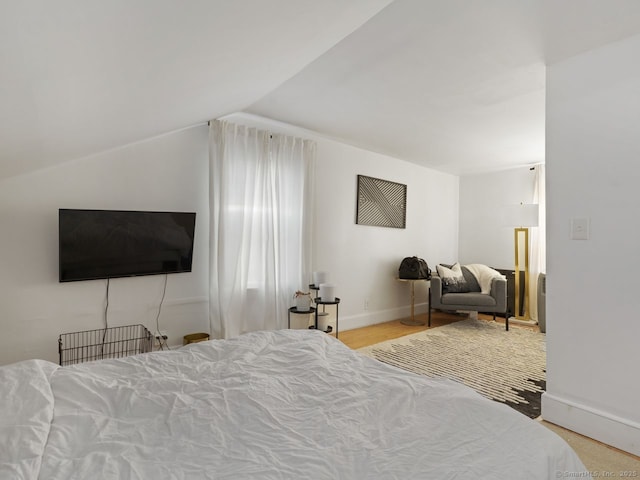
471	280
457	278
474	299
452	279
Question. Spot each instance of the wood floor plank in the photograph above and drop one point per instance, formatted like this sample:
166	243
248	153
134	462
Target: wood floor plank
365	336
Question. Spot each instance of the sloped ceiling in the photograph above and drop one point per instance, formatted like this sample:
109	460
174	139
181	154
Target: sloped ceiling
82	76
456	85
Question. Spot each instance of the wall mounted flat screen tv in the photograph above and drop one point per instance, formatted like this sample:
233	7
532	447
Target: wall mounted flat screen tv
97	244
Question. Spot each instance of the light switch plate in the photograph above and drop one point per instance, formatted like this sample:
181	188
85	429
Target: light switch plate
579	229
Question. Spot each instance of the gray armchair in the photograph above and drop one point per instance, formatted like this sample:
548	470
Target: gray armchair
493	302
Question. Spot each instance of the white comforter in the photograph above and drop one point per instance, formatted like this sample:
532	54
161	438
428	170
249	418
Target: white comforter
281	404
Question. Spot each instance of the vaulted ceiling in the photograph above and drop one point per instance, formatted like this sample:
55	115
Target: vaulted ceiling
456	85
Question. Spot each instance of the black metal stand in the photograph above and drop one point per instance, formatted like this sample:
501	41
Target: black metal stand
316	288
295	311
319	301
429	306
335	302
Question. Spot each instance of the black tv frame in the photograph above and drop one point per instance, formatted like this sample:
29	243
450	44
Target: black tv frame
123	243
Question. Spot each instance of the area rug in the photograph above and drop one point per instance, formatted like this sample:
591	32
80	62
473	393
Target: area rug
507	367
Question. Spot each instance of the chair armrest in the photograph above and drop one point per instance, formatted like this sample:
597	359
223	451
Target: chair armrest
499	292
435	284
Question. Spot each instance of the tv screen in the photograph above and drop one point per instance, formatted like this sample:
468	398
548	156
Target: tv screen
115	243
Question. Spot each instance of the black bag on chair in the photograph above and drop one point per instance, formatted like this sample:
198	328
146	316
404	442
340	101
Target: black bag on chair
414	268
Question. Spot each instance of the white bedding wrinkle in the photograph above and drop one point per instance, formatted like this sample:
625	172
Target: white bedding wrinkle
283	404
26	410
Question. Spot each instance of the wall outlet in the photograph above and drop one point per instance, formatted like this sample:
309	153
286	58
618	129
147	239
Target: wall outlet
366	303
162	334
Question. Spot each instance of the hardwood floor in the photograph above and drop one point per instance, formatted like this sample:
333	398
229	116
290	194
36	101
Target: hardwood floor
365	336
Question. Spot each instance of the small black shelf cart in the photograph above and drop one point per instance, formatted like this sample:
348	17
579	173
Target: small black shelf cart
295	311
335	302
318	301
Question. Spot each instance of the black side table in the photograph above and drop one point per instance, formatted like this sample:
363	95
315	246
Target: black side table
335	302
295	311
316	288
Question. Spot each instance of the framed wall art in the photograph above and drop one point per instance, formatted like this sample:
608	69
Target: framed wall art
381	203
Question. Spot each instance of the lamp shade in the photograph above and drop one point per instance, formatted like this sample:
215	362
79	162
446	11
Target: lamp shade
522	215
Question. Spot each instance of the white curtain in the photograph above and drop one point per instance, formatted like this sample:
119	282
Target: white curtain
260	226
538	241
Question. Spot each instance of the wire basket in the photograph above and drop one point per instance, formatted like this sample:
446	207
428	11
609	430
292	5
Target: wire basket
114	342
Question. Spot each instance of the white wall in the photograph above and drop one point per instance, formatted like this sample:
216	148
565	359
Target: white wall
170	173
165	173
593	147
484	238
362	260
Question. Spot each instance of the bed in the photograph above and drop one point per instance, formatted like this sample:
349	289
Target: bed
274	404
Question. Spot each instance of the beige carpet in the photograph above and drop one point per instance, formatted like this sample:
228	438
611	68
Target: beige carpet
508	367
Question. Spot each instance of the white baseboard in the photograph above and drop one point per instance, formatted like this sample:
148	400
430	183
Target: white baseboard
593	423
380	316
